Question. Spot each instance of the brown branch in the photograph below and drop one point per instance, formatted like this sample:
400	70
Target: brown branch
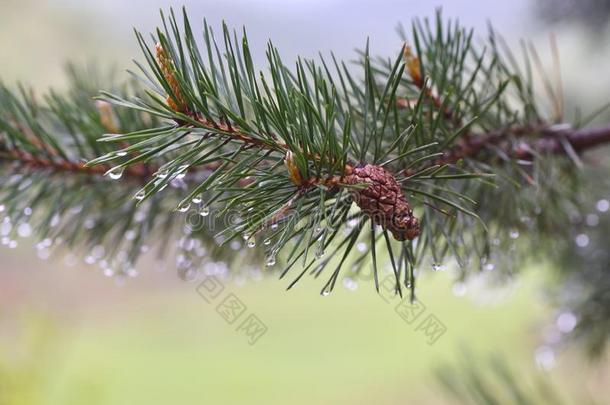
548	141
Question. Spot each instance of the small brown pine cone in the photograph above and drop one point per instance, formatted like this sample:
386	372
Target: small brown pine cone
383	200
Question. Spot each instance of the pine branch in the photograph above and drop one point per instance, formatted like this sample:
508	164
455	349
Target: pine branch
414	145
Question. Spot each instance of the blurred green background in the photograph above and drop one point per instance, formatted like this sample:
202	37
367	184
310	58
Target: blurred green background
69	335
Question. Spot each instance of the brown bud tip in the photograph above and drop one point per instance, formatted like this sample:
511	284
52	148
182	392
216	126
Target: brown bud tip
293	170
177	101
413	65
107	117
383	200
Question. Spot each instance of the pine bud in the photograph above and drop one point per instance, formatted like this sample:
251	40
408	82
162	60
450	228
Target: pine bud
413	66
383	201
107	117
176	101
293	170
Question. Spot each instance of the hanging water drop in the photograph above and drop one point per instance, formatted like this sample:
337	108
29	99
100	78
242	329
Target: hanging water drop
459	289
438	267
197	199
251	243
140	195
319	250
204	211
24	230
350	283
274	226
6	227
121	153
115	173
43	254
267	242
184	207
270	260
325	292
602	205
592	220
582	240
181	172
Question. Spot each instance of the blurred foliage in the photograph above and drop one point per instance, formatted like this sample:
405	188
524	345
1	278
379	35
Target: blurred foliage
496	381
593	14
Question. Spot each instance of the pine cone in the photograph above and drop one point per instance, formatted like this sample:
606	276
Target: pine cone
383	201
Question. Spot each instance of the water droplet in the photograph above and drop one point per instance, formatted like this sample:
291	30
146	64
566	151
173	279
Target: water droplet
325	292
514	234
267	242
438	267
581	240
566	322
139	216
98	251
197	199
140	195
184	207
115	173
270	260
204	211
602	205
274	226
246	236
121	153
350	283
545	357
161	175
181	173
70	260
592	220
24	230
43	254
319	250
27	211
459	289
251	243
6	227
361	247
